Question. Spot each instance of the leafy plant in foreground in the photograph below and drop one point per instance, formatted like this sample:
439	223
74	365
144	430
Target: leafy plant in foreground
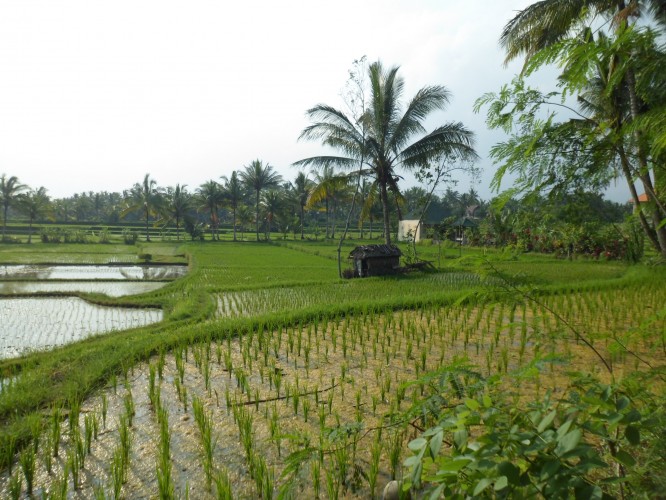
588	443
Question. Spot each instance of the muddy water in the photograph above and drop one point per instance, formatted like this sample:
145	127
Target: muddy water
44	323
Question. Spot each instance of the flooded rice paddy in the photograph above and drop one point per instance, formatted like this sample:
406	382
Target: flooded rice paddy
40	323
333	385
31	323
92	272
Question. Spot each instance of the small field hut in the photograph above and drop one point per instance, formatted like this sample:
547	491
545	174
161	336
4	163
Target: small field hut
375	260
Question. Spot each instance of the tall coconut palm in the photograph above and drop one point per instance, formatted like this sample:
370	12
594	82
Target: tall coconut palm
211	197
10	188
383	139
233	192
34	204
145	197
177	203
258	177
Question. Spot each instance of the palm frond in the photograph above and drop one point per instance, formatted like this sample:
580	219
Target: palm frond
540	25
452	140
426	100
324	161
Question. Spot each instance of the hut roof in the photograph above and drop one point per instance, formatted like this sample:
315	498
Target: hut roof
434	214
364	251
642	198
465	222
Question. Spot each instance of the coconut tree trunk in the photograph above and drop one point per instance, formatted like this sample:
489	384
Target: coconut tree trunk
657	213
326	203
302	221
626	170
234	222
383	195
4	220
256	214
147	233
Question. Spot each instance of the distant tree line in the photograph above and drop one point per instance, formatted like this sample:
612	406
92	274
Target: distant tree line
256	200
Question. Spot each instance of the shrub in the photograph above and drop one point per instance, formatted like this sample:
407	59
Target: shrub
194	229
348	273
104	236
76	236
130	236
51	235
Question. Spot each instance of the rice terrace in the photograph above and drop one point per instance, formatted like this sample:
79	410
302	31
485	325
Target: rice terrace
399	305
451	373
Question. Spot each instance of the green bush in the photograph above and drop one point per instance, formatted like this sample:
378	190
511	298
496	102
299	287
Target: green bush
598	441
104	236
130	236
51	235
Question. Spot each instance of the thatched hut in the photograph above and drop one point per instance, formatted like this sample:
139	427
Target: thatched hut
375	260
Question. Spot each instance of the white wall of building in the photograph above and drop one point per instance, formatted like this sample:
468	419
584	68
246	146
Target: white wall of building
407	227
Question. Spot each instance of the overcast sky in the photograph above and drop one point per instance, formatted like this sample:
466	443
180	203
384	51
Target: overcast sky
94	95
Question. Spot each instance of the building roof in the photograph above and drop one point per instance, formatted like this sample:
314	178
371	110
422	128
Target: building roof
434	214
465	222
643	198
365	251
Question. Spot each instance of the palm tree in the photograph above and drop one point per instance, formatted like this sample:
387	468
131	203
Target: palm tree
145	197
600	103
177	204
300	189
211	197
245	218
10	188
233	191
326	185
97	203
62	209
382	141
82	207
258	177
35	204
272	203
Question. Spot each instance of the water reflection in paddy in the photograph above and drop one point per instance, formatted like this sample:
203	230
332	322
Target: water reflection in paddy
51	272
110	288
43	323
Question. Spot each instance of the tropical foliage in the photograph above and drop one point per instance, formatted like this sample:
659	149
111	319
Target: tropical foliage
615	74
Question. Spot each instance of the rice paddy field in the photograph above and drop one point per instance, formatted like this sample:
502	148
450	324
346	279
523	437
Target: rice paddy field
270	377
